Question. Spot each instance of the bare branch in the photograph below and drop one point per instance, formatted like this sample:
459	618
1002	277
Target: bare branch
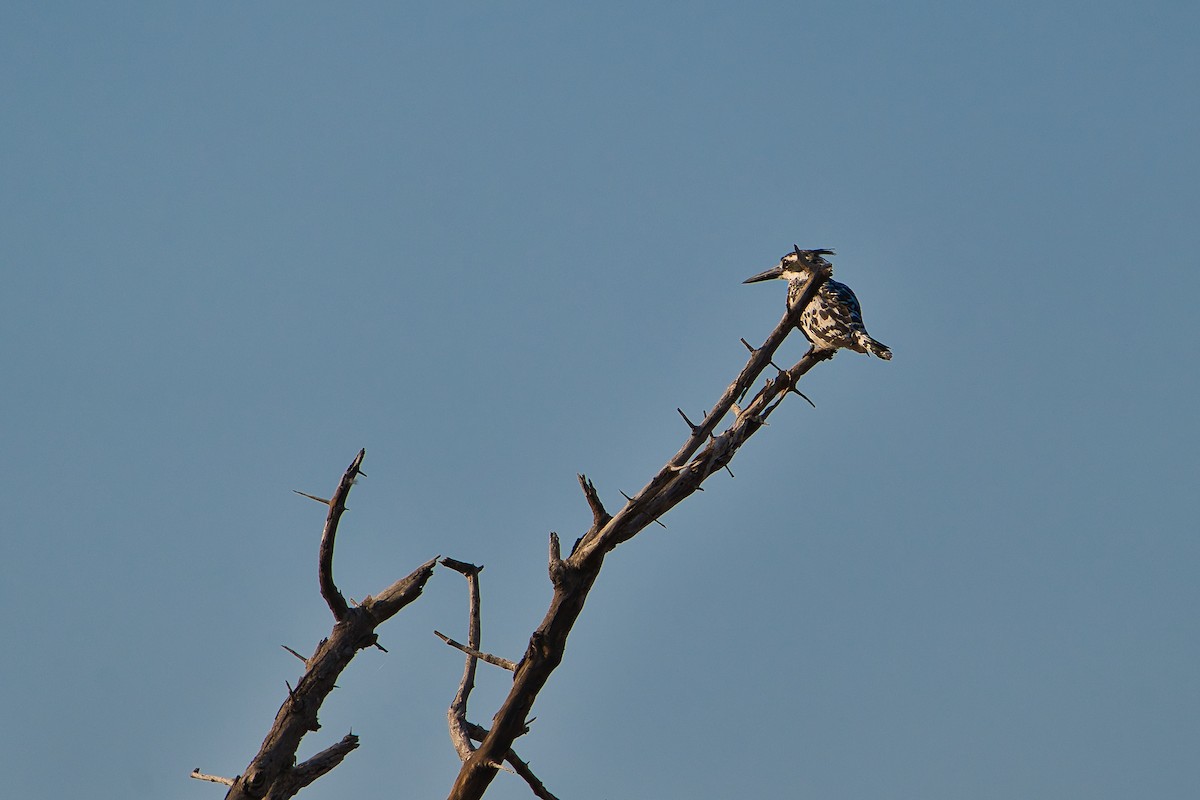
307	772
464	568
293	652
273	773
600	517
520	767
387	603
456	715
677	479
498	661
759	359
337	505
200	776
555	567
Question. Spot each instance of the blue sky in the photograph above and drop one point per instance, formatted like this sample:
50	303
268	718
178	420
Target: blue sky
499	244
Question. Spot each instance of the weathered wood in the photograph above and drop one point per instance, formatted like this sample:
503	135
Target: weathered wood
456	716
462	730
574	576
273	773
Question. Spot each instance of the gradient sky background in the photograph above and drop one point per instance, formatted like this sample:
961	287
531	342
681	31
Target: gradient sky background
497	245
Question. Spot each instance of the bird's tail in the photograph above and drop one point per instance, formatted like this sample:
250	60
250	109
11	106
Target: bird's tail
876	347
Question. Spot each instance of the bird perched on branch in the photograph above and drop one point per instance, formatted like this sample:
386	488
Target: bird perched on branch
833	318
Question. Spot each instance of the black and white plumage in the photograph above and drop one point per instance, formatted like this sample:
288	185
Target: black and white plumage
833	318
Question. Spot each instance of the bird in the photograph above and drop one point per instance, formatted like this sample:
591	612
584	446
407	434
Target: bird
833	318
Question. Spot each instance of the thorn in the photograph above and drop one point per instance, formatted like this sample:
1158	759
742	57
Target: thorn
749	347
691	424
627	497
727	469
293	652
784	375
321	500
381	647
291	693
802	394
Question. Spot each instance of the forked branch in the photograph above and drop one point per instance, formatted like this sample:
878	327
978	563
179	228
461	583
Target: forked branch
273	773
463	731
701	454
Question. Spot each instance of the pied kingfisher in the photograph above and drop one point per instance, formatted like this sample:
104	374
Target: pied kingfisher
833	318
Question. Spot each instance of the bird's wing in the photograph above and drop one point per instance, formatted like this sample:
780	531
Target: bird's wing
841	305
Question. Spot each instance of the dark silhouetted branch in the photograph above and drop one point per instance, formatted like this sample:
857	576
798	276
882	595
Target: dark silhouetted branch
305	773
273	773
337	506
599	515
701	454
520	767
462	730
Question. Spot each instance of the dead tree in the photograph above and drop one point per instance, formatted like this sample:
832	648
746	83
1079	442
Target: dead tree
273	773
702	454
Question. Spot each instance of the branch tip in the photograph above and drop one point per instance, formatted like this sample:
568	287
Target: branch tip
200	776
600	515
472	652
293	652
802	394
464	568
692	425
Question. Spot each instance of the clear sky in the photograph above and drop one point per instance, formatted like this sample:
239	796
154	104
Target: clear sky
498	244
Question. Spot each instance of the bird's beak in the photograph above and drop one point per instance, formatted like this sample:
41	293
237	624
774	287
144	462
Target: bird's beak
774	272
